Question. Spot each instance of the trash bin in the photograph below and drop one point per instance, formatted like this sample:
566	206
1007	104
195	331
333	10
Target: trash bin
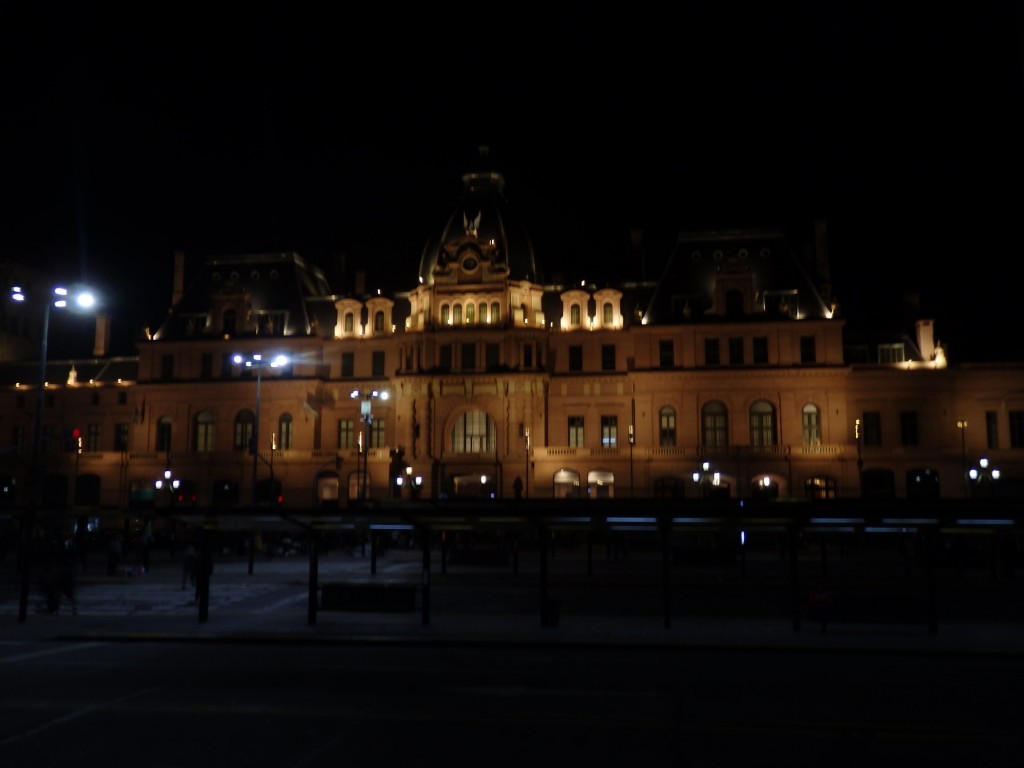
550	613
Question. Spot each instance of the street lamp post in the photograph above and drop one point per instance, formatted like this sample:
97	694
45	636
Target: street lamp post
366	412
526	441
710	482
58	298
983	476
962	426
257	362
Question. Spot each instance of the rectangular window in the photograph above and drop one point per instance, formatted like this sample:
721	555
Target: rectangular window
666	354
871	423
445	357
527	356
468	362
736	351
378	363
667	427
18	440
908	429
121	437
1016	429
715	427
762	426
808	354
575	357
760	350
607	357
226	364
378	434
92	438
711	352
206	365
166	367
346	432
348	364
492	356
575	431
991	429
609	431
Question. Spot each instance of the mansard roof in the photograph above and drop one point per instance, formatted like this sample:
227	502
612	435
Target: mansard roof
279	290
763	260
485	214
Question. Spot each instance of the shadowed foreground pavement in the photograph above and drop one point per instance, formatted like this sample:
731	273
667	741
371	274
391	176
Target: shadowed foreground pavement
619	600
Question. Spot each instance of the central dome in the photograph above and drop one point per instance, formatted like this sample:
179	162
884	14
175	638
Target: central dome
485	213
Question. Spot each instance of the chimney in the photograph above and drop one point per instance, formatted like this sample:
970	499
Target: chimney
179	277
102	341
926	339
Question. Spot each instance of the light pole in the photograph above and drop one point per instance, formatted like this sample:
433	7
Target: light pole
366	412
962	426
526	434
58	297
257	362
984	476
632	439
710	482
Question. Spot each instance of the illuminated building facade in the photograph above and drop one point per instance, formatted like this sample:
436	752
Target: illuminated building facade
731	373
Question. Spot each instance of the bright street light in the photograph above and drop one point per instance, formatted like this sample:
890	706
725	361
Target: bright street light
366	412
83	299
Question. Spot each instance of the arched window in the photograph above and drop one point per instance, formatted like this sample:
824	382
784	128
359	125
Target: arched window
606	313
667	426
284	432
244	423
470	313
349	322
163	434
574	315
228	322
566	484
762	424
444	314
378	321
203	432
811	425
483	312
714	422
457	314
495	312
600	484
473	432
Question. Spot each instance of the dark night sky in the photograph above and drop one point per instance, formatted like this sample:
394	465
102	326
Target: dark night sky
125	136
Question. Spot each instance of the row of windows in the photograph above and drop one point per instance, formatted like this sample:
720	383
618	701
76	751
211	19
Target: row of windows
714	426
735	349
869	429
55	440
452	315
244	428
576	314
474	431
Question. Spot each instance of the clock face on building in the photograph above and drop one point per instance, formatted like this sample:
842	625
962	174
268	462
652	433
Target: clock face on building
469	263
